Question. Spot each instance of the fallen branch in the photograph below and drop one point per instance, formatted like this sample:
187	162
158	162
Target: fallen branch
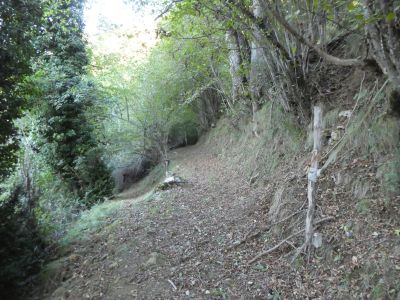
258	256
265	228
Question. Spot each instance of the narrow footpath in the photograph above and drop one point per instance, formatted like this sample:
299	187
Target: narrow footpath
175	244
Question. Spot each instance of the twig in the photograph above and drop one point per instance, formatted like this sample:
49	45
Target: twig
173	285
253	179
291	244
258	233
258	256
167	9
197	228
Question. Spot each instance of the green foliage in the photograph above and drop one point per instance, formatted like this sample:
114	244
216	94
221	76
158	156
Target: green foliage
46	103
219	293
19	24
153	104
363	206
95	220
22	249
64	97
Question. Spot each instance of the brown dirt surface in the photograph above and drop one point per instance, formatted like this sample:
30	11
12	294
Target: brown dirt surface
195	241
183	243
173	246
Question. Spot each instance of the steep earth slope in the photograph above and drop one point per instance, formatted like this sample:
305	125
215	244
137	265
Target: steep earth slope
246	195
183	244
173	244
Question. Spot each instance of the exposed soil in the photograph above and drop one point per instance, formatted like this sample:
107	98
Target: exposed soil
176	239
178	245
195	241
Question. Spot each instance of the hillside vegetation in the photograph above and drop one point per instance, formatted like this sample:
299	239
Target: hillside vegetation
278	122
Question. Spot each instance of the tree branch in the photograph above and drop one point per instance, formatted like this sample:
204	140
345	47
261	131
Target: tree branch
329	58
258	256
167	8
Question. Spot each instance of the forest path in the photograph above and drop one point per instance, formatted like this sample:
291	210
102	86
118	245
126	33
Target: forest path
173	244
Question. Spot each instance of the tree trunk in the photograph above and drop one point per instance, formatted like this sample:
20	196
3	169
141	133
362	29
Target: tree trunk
313	175
235	61
384	38
258	66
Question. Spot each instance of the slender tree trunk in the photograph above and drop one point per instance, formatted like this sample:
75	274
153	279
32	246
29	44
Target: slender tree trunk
235	61
257	64
127	109
313	175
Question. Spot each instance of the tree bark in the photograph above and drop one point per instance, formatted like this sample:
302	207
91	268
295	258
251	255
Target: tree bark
313	175
257	64
235	61
384	39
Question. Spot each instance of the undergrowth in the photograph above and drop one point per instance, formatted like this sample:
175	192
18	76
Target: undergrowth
98	218
280	140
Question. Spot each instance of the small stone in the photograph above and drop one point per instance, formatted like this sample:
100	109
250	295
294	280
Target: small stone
187	293
345	113
155	259
207	292
334	135
317	240
73	258
250	283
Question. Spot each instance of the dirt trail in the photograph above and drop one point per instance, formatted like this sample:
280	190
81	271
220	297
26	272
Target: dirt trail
173	246
176	244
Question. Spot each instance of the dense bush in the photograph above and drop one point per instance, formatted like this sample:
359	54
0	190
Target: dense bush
59	168
22	248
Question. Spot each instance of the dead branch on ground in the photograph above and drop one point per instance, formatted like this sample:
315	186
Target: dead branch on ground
250	236
286	240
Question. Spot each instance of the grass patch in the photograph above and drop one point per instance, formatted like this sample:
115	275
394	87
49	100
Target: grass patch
363	206
153	211
99	217
280	139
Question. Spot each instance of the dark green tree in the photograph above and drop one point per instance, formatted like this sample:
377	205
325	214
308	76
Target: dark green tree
19	24
70	145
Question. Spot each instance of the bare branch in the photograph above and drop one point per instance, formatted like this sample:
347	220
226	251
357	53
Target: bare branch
258	256
168	8
329	58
